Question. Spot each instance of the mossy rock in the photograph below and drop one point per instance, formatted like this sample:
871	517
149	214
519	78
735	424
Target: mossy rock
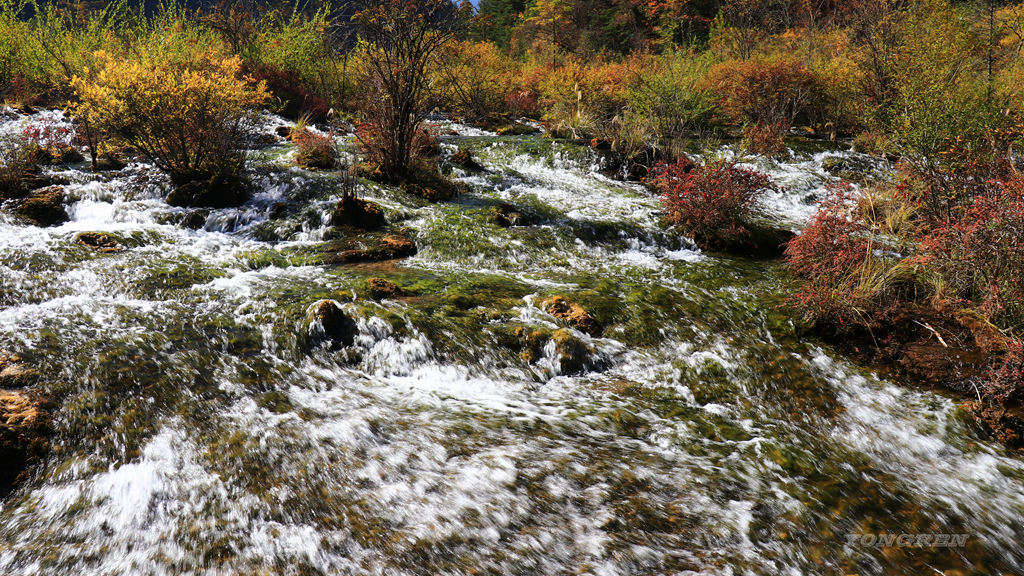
572	352
573	314
357	213
44	207
380	288
425	181
507	215
99	241
374	249
275	401
463	158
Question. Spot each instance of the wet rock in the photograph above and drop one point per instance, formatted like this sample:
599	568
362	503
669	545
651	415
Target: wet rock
463	158
434	192
358	213
99	241
14	372
507	215
571	352
43	207
380	288
275	401
328	323
216	192
284	132
388	247
24	426
573	314
999	422
279	210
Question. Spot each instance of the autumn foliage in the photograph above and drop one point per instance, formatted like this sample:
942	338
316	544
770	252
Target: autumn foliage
185	112
710	202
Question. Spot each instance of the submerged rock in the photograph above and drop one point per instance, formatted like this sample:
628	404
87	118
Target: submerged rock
570	354
43	207
358	213
329	324
99	241
507	215
573	314
24	426
381	288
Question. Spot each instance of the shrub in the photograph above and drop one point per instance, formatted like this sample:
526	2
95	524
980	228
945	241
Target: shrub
670	91
292	51
184	107
24	66
478	79
980	250
400	39
769	93
314	150
17	163
830	256
1004	381
581	100
711	202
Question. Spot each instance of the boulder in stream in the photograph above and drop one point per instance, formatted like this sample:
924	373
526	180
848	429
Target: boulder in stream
329	324
375	249
570	352
507	215
573	314
43	207
463	158
99	241
380	288
358	213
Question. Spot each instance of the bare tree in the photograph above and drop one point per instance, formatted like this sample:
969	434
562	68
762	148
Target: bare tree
401	40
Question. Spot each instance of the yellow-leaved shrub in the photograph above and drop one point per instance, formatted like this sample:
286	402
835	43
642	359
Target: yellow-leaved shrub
184	110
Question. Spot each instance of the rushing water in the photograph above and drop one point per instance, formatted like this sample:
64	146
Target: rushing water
199	432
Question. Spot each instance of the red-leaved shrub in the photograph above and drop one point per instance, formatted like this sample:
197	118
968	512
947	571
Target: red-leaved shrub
826	255
315	150
1005	381
979	249
710	202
